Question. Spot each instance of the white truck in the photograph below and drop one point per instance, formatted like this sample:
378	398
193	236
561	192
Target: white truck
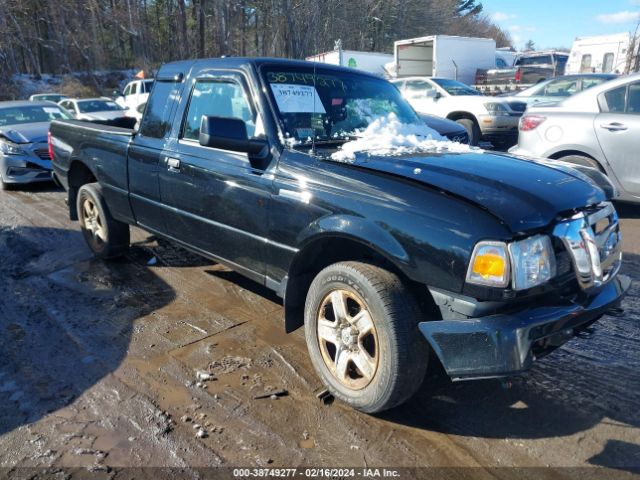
135	94
600	54
443	56
370	62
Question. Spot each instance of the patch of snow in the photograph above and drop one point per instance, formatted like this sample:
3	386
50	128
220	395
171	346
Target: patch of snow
388	136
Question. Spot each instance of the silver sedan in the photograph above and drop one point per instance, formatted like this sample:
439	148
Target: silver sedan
599	128
24	152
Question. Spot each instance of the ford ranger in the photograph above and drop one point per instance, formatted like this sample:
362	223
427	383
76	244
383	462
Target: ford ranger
312	180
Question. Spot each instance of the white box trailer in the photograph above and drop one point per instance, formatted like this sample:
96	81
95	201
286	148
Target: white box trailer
599	54
445	56
370	62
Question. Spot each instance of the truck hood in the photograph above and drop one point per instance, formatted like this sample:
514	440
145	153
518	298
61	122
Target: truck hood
26	132
523	194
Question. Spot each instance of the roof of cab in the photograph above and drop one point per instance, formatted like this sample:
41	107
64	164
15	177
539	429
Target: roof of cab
171	71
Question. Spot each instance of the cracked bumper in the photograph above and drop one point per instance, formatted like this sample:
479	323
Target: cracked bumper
507	344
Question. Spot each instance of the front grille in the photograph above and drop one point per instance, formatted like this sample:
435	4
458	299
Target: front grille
43	153
459	137
593	240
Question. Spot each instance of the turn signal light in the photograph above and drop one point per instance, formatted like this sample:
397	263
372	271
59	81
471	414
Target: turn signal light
489	265
530	122
50	145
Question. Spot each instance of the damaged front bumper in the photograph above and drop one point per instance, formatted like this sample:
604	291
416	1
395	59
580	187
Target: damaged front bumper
507	344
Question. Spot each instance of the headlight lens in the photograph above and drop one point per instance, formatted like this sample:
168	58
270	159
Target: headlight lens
533	262
10	148
497	109
525	264
489	265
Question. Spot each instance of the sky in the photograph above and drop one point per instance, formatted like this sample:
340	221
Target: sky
556	23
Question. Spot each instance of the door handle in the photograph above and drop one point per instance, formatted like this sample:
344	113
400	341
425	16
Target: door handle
613	127
173	164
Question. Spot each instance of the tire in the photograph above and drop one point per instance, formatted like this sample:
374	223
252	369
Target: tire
107	238
582	160
5	186
472	129
371	361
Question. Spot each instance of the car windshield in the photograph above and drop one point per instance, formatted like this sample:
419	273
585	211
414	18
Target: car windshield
89	106
54	97
331	106
453	87
30	114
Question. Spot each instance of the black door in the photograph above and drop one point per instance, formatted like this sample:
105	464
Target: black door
217	200
145	153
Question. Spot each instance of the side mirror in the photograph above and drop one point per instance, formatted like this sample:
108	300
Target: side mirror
229	134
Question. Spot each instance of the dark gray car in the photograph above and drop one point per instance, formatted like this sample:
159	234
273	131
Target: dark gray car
24	152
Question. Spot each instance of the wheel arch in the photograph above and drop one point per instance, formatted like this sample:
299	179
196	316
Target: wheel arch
78	175
370	244
461	114
569	152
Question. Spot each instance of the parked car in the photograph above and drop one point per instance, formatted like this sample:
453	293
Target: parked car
24	153
93	109
559	88
487	118
49	97
599	128
384	254
134	94
447	128
136	113
529	68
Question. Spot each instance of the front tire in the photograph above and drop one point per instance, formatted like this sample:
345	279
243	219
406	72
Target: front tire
361	327
106	236
473	130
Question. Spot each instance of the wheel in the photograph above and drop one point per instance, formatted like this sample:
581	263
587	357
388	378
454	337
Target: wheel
582	160
361	328
472	130
5	186
106	237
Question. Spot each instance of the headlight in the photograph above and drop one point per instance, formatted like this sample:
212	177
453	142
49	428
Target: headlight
523	264
533	262
496	109
489	265
10	148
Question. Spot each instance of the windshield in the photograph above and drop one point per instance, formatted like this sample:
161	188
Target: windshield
333	106
89	106
54	97
30	114
453	87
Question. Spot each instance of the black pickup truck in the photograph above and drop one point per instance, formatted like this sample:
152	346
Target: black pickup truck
383	255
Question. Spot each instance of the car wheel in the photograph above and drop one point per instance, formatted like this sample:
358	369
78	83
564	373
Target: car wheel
582	160
106	236
361	328
472	130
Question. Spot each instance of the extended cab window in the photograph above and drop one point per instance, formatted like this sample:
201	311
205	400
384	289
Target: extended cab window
223	97
156	120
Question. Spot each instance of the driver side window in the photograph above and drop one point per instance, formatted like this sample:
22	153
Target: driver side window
223	97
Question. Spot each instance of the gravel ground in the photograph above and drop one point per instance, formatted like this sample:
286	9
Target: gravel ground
100	367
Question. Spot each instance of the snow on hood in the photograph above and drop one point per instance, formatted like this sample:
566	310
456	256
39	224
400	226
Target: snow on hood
388	136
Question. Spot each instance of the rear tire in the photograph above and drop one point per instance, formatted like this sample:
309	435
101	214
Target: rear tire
473	130
106	236
361	327
582	160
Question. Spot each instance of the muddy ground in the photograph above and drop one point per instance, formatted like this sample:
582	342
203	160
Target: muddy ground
99	363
